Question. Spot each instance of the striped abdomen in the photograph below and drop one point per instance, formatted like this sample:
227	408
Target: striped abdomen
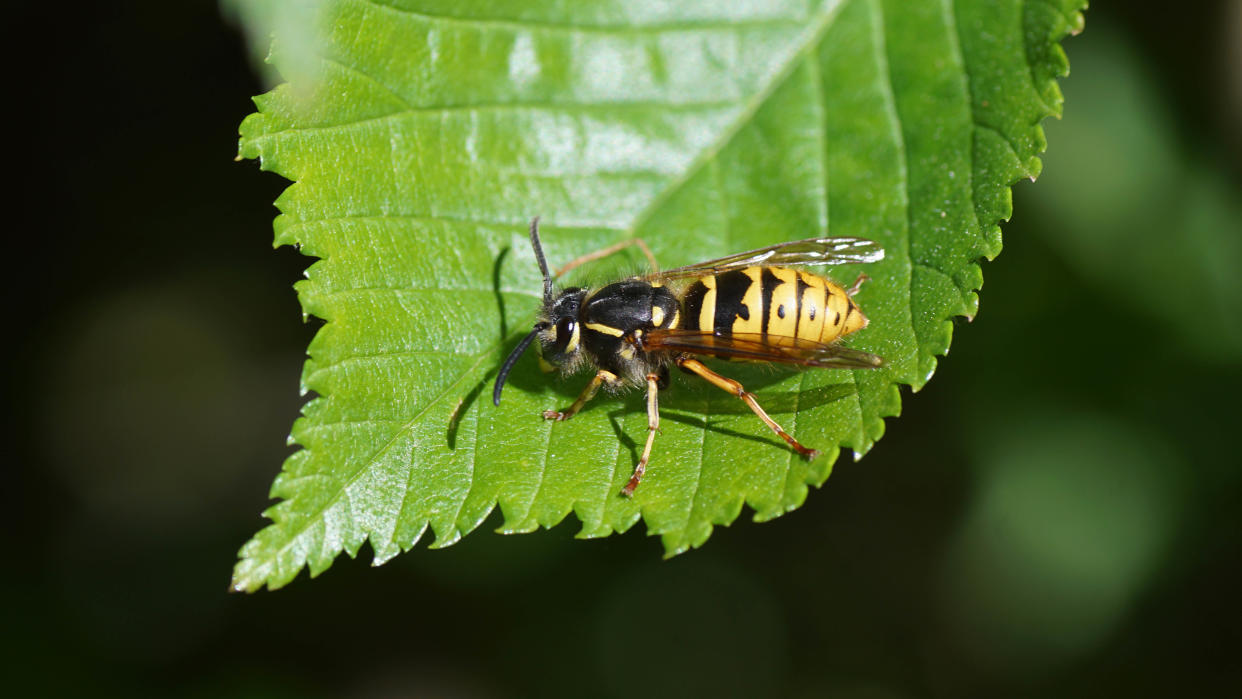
771	301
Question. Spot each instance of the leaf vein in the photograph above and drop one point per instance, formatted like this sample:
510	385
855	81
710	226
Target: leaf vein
698	480
543	472
287	228
333	61
386	356
899	140
608	109
528	24
951	22
1013	148
474	452
821	111
401	290
314	426
1026	54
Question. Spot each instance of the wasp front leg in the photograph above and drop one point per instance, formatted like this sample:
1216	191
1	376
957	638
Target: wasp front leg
602	377
653	424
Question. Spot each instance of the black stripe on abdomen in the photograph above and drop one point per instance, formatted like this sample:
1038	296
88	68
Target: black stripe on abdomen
693	304
770	282
730	293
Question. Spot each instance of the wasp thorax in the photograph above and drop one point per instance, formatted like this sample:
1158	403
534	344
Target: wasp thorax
560	342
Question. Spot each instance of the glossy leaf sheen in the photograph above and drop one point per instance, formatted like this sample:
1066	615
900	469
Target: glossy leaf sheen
424	135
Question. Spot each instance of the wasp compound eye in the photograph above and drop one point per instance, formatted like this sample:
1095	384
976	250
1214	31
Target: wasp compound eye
565	330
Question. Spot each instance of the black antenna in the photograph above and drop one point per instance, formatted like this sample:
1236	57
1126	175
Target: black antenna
512	359
543	264
547	298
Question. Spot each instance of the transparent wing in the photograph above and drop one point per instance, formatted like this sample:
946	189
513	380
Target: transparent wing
809	252
760	348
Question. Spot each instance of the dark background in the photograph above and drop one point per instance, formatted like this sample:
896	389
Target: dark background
1056	514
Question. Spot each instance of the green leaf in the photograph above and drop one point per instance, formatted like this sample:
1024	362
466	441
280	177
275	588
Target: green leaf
424	136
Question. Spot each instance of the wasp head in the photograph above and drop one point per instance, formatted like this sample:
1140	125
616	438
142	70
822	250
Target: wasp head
557	327
560	345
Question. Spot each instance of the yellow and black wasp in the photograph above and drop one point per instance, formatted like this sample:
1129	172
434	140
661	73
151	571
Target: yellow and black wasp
750	306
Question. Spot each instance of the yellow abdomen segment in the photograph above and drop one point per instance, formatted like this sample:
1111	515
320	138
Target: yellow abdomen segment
774	302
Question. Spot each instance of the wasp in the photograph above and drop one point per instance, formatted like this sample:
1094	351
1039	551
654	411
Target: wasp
751	306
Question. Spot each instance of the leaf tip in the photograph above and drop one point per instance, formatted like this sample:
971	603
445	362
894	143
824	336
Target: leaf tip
244	579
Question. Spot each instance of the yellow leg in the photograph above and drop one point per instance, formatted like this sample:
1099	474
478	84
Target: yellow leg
857	285
727	384
610	250
653	424
587	394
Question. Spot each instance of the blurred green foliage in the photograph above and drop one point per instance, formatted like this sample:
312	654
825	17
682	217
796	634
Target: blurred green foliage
1055	515
1139	218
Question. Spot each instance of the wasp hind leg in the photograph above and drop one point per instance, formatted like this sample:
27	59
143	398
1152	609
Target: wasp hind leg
724	383
611	250
587	394
653	424
857	285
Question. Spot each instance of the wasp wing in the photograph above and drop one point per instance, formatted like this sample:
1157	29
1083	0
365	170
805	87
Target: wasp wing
760	348
809	252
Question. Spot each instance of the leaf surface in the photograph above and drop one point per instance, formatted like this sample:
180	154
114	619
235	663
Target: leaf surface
421	137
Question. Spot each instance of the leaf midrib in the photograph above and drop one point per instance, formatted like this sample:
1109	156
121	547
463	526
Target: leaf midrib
414	110
619	29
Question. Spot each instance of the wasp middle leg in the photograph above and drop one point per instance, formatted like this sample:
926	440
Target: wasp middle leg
694	366
653	424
